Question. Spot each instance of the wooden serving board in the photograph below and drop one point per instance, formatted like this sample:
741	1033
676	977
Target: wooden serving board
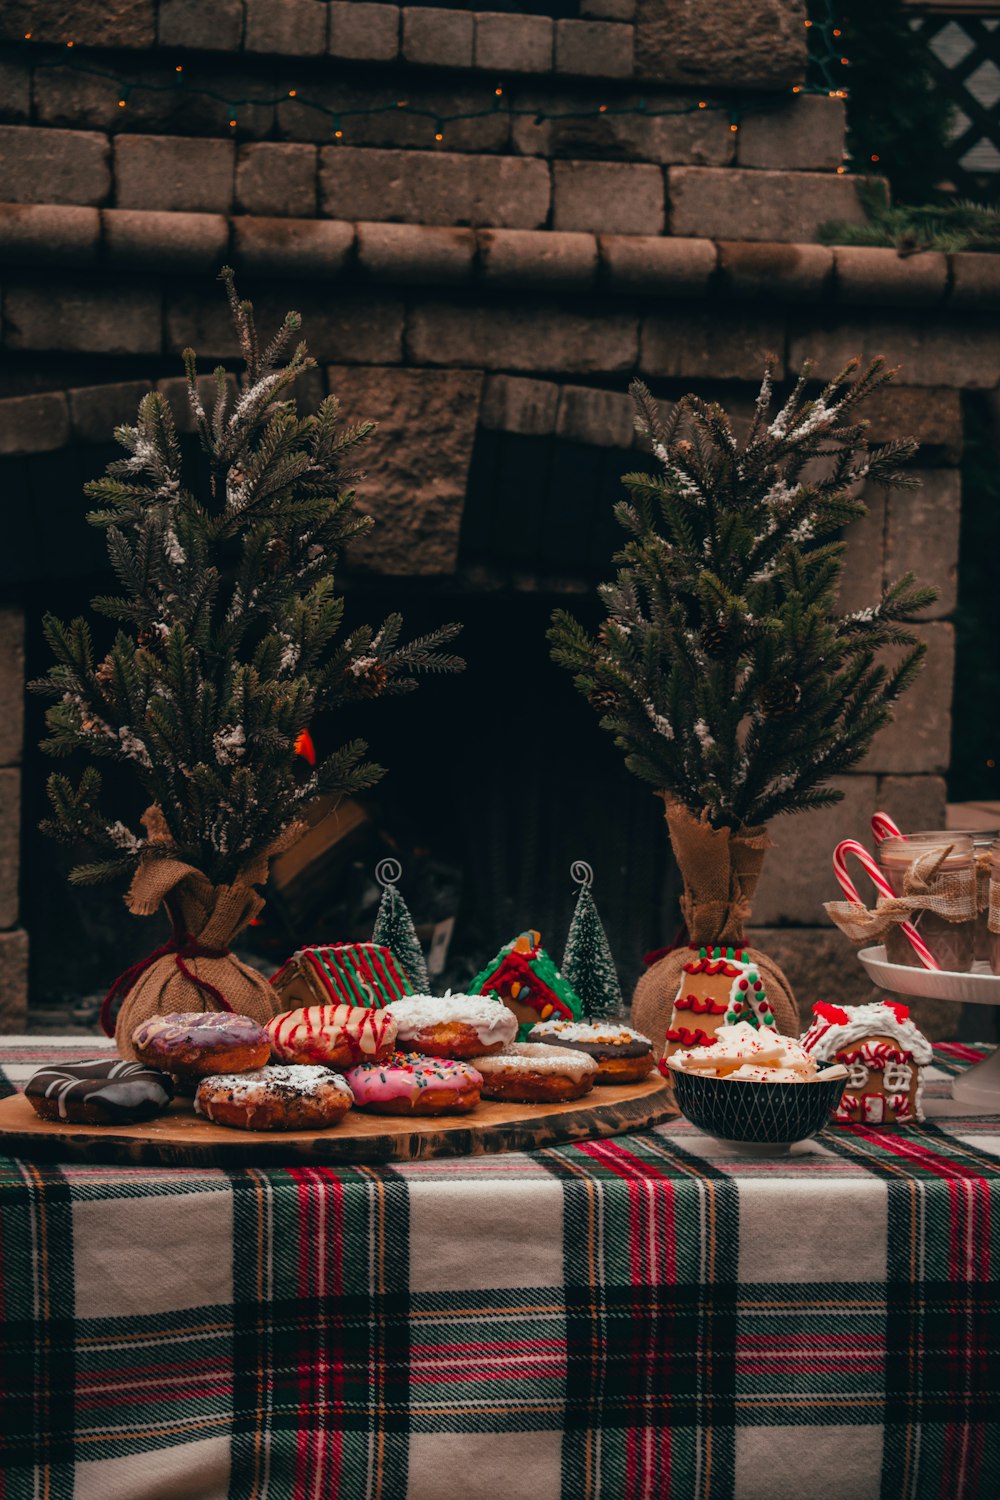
180	1138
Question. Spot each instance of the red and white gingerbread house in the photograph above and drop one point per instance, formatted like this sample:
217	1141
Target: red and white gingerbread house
883	1053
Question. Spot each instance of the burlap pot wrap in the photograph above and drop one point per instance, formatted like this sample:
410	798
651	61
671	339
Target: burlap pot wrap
194	970
950	895
720	868
993	904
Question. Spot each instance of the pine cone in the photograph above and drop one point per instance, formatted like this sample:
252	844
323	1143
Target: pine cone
779	696
276	554
370	678
148	636
104	674
603	700
715	638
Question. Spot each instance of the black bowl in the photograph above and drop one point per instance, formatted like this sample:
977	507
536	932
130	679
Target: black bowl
769	1113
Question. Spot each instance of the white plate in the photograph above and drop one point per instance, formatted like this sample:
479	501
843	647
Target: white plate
978	987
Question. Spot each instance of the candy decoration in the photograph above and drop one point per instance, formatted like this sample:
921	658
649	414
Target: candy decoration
342	973
884	828
851	846
524	977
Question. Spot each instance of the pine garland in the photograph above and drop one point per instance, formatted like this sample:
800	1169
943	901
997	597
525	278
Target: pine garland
227	643
724	671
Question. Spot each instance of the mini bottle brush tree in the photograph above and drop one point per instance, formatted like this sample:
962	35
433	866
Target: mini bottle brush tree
229	642
724	670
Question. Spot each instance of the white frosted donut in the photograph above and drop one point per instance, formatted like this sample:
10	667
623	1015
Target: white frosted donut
531	1072
453	1025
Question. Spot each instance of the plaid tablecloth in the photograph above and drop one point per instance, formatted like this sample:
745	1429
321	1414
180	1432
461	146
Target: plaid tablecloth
637	1317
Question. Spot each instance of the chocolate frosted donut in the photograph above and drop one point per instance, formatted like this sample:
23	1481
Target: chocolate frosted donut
622	1055
194	1044
101	1091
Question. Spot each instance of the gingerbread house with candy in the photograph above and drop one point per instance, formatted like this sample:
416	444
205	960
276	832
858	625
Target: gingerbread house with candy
524	977
884	1055
720	987
341	974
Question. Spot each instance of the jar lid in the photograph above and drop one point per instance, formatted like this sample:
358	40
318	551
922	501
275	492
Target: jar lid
981	838
903	851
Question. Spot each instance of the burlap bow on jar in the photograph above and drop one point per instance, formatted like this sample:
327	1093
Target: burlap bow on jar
949	894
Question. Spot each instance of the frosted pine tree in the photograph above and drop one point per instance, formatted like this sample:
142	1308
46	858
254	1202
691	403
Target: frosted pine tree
394	929
587	962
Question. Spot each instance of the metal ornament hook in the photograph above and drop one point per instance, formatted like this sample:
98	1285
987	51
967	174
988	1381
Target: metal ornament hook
387	872
582	873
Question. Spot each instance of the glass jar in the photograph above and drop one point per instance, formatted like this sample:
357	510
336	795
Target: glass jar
951	942
993	949
983	840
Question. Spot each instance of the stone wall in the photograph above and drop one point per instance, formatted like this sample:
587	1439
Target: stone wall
489	222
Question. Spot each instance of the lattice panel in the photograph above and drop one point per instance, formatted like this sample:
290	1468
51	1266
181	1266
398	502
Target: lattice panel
964	51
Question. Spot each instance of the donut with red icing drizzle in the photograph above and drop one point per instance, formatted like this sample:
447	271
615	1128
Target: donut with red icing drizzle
337	1036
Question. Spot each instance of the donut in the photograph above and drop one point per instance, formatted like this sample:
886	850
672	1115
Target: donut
338	1036
101	1091
622	1055
275	1098
453	1025
532	1073
192	1044
410	1084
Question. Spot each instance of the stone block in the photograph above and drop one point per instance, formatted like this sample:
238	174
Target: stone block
398	128
156	104
174	172
869	273
512	404
513	43
96	410
918	739
798	876
436	187
961	351
594	49
13	981
11	684
347	327
790	273
601	418
537	258
10	845
802	133
82	316
53	166
49	235
522	335
34	424
607	10
15	92
295	28
364	32
726	43
932	417
922	535
175	393
863	578
292	247
178	242
94	23
975	281
914	802
416	464
607	197
647	265
416	253
277	179
730	347
765	205
655	126
437	38
206	28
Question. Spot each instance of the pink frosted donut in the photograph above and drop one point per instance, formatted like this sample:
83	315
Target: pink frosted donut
336	1036
410	1084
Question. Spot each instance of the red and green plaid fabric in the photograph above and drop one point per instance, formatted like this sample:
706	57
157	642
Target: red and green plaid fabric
643	1318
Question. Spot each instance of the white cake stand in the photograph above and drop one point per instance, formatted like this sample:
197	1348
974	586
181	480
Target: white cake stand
980	1086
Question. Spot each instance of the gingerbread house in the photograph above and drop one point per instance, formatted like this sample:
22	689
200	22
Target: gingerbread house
721	986
884	1055
341	974
524	977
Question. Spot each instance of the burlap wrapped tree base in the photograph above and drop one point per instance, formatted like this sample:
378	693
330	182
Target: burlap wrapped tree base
720	868
194	970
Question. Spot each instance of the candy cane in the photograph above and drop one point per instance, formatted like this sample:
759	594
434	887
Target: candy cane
884	828
851	846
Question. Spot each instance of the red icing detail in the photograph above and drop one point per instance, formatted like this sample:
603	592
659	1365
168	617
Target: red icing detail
695	1038
516	969
873	1054
704	1007
712	966
744	985
899	1010
834	1014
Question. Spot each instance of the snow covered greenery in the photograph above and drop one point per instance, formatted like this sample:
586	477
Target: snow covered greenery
724	670
229	637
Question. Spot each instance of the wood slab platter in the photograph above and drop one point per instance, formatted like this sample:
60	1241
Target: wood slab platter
180	1138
